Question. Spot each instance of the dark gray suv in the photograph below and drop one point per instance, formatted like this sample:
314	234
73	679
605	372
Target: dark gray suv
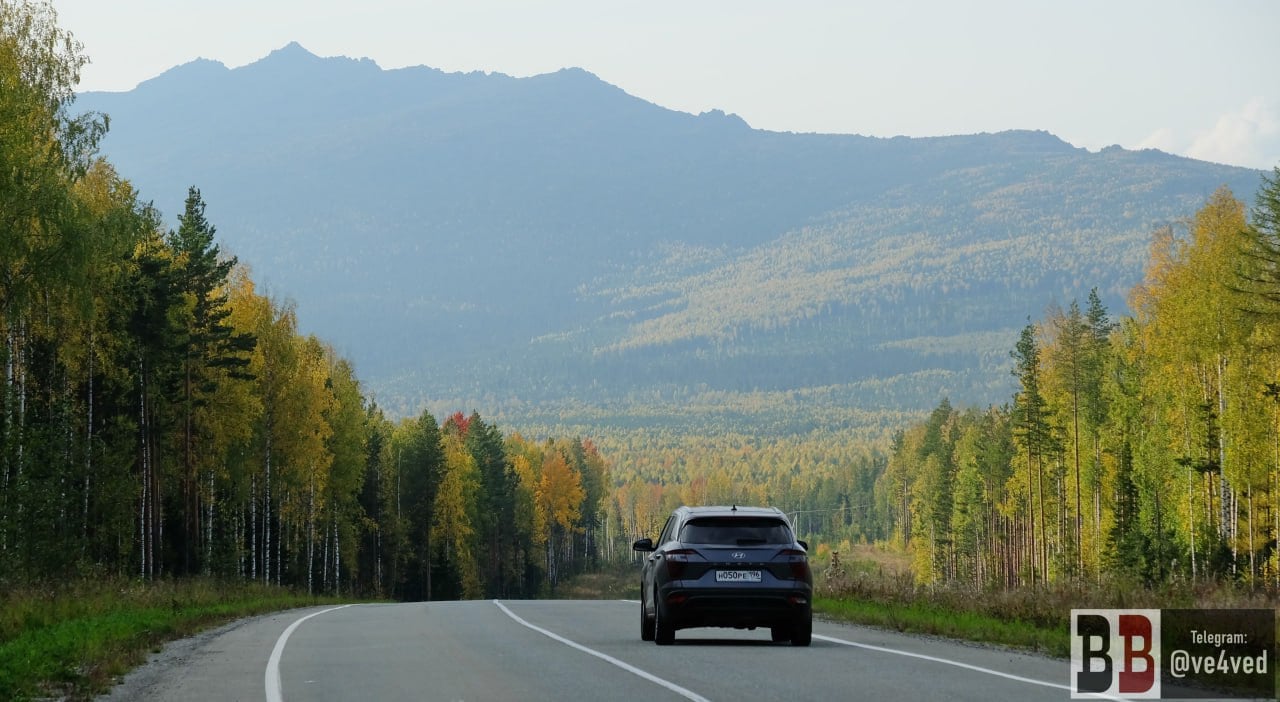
738	567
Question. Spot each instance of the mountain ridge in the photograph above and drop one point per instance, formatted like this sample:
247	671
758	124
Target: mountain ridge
528	244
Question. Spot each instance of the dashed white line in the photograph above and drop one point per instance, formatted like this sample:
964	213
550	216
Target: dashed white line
273	663
683	692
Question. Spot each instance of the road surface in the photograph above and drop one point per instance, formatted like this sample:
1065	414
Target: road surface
567	650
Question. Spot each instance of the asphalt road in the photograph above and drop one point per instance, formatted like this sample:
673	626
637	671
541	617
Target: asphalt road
567	650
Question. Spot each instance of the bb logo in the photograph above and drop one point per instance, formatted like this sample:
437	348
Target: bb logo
1115	652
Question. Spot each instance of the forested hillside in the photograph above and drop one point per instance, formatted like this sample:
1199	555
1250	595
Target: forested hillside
162	417
1139	447
1145	445
565	254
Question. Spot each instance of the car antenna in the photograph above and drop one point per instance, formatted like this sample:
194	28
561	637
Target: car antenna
734	508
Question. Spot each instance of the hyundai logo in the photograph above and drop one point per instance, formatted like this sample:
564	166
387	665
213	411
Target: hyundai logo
738	555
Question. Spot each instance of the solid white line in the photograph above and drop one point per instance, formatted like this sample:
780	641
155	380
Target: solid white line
273	664
687	694
957	664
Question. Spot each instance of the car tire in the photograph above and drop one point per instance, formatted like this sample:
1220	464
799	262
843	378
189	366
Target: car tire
646	624
802	632
663	633
778	634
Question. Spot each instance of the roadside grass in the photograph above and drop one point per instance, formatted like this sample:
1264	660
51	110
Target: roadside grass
70	640
925	618
615	582
1032	618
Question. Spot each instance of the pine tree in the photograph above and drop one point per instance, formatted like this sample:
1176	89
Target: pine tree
1031	429
214	352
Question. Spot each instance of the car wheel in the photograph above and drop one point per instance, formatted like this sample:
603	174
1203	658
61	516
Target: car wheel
802	632
663	633
780	633
646	624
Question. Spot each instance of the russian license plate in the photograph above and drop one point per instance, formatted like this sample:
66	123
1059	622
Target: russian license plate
737	576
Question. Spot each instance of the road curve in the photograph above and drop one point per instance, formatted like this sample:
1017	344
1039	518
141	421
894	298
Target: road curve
567	650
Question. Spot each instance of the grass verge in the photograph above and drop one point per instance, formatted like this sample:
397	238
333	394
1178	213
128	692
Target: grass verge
619	581
71	640
922	618
1032	618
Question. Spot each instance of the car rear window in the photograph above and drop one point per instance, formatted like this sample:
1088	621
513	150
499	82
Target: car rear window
735	531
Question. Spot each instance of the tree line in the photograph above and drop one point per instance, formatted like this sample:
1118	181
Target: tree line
1146	446
160	417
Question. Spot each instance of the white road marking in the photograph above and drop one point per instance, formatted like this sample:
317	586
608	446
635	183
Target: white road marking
957	664
687	694
273	664
631	601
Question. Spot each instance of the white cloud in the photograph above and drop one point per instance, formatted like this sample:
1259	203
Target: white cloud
1247	137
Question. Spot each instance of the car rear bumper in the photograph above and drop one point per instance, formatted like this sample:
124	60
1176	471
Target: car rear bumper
687	607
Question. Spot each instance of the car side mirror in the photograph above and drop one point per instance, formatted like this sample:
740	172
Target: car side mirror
643	545
803	544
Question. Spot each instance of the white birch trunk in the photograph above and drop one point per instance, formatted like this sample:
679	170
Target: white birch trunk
266	513
311	535
280	546
253	527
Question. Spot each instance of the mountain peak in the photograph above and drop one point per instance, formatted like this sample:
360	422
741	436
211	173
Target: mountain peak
293	60
292	51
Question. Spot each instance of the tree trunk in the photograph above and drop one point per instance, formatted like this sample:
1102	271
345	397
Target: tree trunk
1044	545
9	352
1253	566
208	528
266	510
1226	499
1031	512
88	452
253	527
311	534
1191	512
1075	418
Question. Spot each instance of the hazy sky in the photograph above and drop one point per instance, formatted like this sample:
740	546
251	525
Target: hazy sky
1195	78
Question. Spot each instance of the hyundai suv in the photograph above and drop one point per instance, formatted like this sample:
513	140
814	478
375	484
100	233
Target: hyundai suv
739	567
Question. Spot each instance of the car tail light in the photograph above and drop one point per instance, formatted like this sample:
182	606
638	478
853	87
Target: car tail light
677	561
799	562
